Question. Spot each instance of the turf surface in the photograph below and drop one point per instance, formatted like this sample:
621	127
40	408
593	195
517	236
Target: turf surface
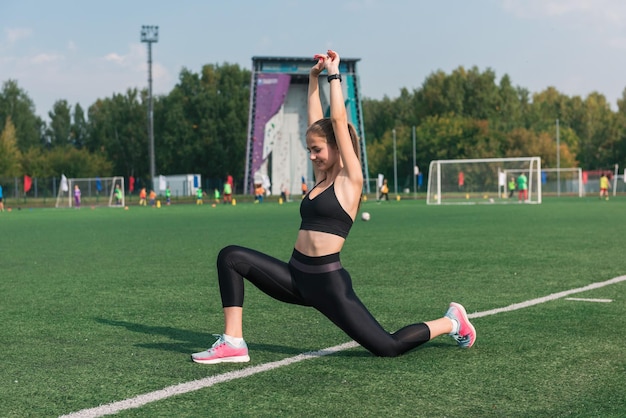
103	305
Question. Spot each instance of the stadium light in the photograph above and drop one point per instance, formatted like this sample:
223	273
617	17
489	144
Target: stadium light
150	35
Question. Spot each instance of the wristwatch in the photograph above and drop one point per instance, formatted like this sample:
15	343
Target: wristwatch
334	76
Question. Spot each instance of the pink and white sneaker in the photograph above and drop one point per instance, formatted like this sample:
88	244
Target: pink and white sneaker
222	352
466	335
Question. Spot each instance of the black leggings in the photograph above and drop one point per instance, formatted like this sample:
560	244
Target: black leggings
319	282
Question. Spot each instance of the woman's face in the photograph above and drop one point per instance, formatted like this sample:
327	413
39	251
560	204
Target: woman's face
322	154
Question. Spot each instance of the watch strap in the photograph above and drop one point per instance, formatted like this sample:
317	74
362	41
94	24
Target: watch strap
334	77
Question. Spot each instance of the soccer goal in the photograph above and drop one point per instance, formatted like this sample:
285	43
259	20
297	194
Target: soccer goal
94	191
484	180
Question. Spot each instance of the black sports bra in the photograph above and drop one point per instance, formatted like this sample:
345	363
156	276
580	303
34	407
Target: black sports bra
324	213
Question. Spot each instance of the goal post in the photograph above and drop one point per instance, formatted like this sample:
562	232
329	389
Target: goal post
482	180
94	191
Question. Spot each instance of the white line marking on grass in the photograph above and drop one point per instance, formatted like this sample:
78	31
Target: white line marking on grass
194	385
590	300
548	298
181	388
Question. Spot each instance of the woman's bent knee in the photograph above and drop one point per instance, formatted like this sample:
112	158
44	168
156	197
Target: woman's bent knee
227	253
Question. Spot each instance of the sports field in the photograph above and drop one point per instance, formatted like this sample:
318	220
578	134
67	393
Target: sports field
101	309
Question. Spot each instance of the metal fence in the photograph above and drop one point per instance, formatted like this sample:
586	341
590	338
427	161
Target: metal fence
44	191
44	188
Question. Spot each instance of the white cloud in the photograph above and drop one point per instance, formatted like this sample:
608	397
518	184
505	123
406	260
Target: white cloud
46	58
48	76
15	34
135	59
598	12
115	58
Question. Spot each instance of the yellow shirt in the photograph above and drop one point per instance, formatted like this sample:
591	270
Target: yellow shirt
604	182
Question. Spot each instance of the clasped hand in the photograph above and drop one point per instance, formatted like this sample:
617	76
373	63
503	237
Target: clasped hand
328	61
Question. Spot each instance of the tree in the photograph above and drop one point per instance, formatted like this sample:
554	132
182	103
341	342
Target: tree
59	131
118	132
78	163
526	143
80	128
14	102
10	156
598	133
437	137
379	117
201	125
467	93
511	106
482	98
35	163
620	157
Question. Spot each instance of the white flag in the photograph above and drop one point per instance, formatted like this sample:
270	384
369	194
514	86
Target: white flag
64	186
162	183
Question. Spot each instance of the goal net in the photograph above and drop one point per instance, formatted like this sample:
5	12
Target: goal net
562	182
485	180
94	191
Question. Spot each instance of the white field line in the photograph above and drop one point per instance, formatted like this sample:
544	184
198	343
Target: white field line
548	298
590	300
194	385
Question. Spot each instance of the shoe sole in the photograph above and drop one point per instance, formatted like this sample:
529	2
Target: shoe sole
466	319
235	359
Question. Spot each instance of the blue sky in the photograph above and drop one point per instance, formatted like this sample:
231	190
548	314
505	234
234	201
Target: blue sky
80	51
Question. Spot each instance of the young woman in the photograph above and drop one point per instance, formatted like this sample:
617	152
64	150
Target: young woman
314	275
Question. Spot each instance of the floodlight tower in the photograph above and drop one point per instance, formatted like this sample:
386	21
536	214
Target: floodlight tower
150	35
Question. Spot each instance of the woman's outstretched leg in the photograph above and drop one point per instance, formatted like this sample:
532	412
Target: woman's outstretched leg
332	294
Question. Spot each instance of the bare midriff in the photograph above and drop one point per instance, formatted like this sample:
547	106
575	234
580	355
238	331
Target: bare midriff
317	244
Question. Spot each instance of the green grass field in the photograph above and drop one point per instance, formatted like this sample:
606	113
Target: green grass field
101	306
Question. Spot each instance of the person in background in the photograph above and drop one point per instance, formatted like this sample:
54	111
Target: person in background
199	195
118	195
314	276
168	196
305	188
384	191
152	198
259	191
522	188
605	185
77	196
142	197
1	199
284	193
228	192
231	182
511	187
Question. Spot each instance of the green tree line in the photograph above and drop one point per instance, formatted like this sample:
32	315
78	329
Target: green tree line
201	127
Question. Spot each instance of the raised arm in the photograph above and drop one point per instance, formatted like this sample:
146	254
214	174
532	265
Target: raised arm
314	103
339	119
